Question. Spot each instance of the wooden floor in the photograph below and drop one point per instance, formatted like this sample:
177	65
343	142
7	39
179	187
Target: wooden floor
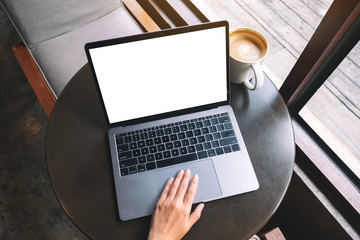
334	111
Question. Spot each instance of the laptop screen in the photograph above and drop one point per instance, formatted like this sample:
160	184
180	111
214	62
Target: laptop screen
162	74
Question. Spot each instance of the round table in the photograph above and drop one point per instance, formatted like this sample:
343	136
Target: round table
80	170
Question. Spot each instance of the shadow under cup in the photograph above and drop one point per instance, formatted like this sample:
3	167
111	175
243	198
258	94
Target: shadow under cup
248	48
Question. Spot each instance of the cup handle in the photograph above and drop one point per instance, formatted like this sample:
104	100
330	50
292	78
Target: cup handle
259	77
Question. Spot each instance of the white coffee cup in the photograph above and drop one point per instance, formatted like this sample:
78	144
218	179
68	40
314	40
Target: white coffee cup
248	48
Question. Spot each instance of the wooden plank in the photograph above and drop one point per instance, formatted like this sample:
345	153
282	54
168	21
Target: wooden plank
162	12
292	40
336	125
304	12
291	17
183	11
345	90
196	11
35	78
141	16
274	234
319	7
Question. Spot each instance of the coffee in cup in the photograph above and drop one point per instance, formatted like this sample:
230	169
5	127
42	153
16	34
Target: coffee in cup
248	48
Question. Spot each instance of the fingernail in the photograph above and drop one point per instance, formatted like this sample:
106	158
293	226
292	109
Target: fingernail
196	177
187	172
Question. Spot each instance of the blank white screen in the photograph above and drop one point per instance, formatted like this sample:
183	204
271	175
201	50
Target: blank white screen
160	75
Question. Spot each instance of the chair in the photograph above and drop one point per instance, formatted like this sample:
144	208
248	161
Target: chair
54	34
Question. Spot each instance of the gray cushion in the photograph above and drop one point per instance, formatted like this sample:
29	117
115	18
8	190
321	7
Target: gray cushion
40	20
61	57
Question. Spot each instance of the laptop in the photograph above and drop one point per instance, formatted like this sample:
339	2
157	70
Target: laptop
166	98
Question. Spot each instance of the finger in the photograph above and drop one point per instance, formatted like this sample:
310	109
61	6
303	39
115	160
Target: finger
175	185
183	185
190	195
196	214
166	190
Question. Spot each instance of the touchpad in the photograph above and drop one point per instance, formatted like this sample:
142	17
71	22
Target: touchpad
208	187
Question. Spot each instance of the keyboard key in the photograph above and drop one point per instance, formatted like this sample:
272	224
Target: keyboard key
228	141
128	163
144	151
202	154
209	137
167	154
173	137
183	151
123	148
228	133
189	134
217	136
177	144
132	145
152	149
211	152
168	131
127	139
158	156
235	147
160	132
212	129
141	144
149	142
176	160
205	130
228	126
144	136
141	159
133	169
119	141
161	147
220	127
227	149
199	125
199	147
193	141
141	168
157	140
165	139
201	139
191	149
169	146
224	119
181	135
185	142
136	153
175	152
124	171
219	151
125	155
191	126
150	166
152	134
183	128
207	123
150	158
197	132
215	144
207	145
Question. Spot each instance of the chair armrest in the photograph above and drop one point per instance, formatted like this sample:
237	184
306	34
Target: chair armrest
35	78
141	16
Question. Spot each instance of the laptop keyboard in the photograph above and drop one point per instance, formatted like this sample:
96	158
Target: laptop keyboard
175	143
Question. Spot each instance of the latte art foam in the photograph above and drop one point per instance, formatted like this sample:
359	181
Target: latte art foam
247	46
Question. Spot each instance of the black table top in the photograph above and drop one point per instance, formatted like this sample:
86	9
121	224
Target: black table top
80	170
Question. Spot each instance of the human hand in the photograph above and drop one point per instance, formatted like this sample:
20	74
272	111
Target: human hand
172	219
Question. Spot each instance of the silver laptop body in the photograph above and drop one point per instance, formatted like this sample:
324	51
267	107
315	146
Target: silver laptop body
166	98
